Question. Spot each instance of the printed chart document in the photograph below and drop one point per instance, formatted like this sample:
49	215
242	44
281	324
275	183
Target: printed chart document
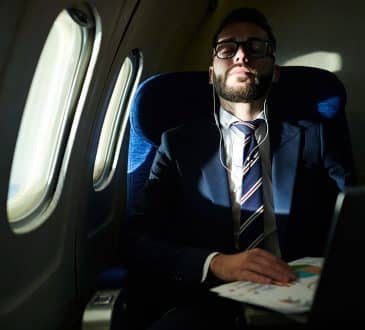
296	297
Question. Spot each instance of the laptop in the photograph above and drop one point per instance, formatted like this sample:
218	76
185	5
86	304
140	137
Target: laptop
340	294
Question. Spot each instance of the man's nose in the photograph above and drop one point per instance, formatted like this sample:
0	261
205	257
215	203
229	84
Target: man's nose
241	54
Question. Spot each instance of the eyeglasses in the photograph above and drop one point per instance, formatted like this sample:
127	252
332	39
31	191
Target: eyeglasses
253	47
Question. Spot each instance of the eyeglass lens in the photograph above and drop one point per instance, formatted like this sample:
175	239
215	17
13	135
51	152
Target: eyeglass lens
253	47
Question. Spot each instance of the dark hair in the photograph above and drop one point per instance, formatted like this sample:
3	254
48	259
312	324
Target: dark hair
251	15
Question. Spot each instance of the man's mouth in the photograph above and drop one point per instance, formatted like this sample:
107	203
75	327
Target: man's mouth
241	71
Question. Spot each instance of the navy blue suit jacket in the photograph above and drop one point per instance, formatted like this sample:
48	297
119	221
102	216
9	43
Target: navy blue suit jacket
186	211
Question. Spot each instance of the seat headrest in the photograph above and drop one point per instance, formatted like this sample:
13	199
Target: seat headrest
307	93
167	100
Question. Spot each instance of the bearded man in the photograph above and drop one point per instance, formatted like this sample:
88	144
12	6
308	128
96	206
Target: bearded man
234	198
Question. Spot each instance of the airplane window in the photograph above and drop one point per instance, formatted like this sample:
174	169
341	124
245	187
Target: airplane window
50	117
116	119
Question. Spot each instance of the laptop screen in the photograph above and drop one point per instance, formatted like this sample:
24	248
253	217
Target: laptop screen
341	289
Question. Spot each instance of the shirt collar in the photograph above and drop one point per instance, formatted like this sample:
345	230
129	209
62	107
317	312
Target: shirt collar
227	119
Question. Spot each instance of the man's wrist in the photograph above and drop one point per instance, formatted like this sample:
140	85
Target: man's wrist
206	267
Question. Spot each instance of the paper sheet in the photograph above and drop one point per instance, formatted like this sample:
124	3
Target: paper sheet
297	297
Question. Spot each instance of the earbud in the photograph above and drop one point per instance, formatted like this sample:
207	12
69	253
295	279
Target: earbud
211	75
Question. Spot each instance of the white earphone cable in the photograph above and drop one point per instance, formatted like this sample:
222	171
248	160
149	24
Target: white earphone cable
221	134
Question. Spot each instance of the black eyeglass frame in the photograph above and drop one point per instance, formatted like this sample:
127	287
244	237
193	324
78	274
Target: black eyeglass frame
269	50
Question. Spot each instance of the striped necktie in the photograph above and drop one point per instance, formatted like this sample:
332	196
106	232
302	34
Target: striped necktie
251	203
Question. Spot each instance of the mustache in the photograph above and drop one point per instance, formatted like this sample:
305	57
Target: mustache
249	69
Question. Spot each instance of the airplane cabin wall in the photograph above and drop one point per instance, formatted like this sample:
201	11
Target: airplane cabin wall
163	35
47	272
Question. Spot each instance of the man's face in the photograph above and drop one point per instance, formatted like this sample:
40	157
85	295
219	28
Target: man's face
242	78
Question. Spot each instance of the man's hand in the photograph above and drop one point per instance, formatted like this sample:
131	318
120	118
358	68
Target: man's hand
254	265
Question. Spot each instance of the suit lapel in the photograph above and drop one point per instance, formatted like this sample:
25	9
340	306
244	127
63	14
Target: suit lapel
285	141
214	181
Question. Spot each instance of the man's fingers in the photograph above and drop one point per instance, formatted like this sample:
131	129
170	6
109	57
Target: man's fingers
254	277
269	257
254	265
276	270
273	271
268	265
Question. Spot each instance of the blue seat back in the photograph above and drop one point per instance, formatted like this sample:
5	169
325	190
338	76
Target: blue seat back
161	102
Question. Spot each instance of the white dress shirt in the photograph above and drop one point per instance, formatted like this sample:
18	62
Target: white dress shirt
233	143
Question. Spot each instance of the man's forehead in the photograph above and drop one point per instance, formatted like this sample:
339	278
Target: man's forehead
242	30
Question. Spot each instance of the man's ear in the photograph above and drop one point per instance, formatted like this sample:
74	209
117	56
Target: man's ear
211	75
276	73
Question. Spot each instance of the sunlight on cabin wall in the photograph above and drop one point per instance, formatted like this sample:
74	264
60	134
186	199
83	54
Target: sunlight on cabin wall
325	60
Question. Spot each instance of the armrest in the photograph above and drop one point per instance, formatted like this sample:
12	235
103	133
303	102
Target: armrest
106	308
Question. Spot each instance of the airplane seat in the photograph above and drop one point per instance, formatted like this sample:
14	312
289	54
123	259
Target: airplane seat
167	100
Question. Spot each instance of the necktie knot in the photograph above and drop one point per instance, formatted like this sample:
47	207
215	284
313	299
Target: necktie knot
247	127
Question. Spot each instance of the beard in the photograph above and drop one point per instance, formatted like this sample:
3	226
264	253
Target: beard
253	89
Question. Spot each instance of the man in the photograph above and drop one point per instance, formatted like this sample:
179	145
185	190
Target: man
230	203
